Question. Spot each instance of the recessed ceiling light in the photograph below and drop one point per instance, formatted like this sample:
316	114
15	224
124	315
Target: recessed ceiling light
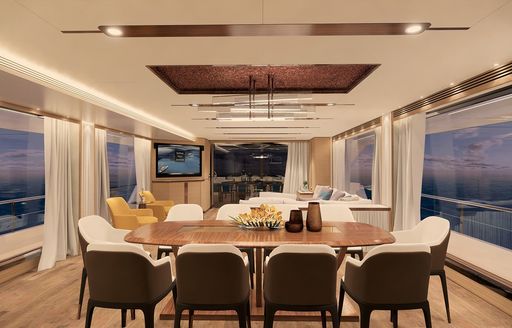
421	97
496	64
452	83
414	29
114	31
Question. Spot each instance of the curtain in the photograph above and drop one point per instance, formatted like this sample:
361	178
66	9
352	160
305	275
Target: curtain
87	186
376	168
408	159
339	179
61	158
102	174
382	163
142	153
297	166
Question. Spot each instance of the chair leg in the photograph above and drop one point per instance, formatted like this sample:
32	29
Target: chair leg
340	304
132	314
149	316
334	316
82	289
174	294
360	255
269	316
88	316
177	316
123	318
442	275
426	313
252	270
365	316
242	316
324	319
248	305
394	318
190	318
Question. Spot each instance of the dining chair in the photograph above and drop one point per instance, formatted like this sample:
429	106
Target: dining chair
226	212
123	276
390	277
433	231
180	212
301	278
124	217
160	207
94	229
212	277
341	213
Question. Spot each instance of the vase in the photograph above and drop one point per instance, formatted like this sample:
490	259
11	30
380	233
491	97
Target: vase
314	217
296	222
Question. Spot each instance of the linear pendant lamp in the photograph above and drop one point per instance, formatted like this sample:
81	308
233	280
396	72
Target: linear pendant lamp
334	29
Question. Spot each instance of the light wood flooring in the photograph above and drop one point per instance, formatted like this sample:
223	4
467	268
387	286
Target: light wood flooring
50	298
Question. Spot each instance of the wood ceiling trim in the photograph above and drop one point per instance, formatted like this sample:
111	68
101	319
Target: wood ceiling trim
358	129
245	30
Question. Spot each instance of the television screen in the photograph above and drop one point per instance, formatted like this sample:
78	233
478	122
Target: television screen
178	160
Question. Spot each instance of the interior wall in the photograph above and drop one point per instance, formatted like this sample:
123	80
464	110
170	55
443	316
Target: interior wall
320	162
184	190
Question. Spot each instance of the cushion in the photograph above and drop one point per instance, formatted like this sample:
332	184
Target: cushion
146	219
337	194
325	194
318	190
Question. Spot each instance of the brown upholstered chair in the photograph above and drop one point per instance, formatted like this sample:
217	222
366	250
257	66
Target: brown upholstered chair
123	276
212	277
391	277
95	229
160	207
301	278
124	217
433	231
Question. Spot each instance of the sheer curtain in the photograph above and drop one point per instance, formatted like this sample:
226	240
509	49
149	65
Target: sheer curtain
297	166
61	147
382	163
87	187
102	176
339	179
408	159
142	153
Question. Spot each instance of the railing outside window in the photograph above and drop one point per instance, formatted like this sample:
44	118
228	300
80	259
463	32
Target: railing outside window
21	213
486	222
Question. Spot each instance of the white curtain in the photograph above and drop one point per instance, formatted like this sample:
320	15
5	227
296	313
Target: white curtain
339	179
61	145
382	163
102	175
87	187
408	159
142	153
297	166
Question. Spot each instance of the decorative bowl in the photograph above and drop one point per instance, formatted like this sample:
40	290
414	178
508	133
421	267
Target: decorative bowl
261	218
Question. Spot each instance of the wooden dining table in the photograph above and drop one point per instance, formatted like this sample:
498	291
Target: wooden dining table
340	235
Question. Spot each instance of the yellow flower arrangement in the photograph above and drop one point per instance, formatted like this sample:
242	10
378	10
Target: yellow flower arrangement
260	217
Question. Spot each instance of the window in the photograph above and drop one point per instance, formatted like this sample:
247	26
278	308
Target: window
21	171
467	176
121	165
359	163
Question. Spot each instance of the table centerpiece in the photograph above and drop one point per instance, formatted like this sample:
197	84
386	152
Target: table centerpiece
263	217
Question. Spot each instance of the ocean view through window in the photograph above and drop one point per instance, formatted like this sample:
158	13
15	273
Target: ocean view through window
359	162
121	165
21	171
467	177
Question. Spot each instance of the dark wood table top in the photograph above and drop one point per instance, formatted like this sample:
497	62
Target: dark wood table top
179	233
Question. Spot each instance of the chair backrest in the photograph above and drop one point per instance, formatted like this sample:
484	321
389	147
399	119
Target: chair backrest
435	232
213	274
124	273
185	212
336	212
390	274
301	275
117	206
148	196
225	211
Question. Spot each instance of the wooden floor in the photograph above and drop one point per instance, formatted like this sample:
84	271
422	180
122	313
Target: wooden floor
50	298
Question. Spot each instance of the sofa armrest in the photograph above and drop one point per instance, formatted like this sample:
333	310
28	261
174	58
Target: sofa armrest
158	211
141	211
162	203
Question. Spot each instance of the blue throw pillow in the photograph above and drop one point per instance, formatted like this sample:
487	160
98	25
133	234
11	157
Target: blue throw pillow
325	195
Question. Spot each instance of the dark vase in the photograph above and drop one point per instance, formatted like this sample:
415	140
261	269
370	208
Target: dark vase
296	223
314	218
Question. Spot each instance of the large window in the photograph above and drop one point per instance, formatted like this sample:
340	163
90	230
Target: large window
21	171
467	175
359	162
121	165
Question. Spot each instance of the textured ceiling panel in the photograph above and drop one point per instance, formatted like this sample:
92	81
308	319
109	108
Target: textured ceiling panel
208	79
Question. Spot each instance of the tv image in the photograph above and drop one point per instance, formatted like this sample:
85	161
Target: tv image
178	160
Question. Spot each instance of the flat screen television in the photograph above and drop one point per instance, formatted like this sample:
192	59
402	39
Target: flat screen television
178	160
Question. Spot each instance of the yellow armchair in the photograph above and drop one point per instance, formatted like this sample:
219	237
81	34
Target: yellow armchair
160	207
124	217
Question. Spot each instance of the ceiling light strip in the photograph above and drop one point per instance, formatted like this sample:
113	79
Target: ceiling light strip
358	129
94	97
463	87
